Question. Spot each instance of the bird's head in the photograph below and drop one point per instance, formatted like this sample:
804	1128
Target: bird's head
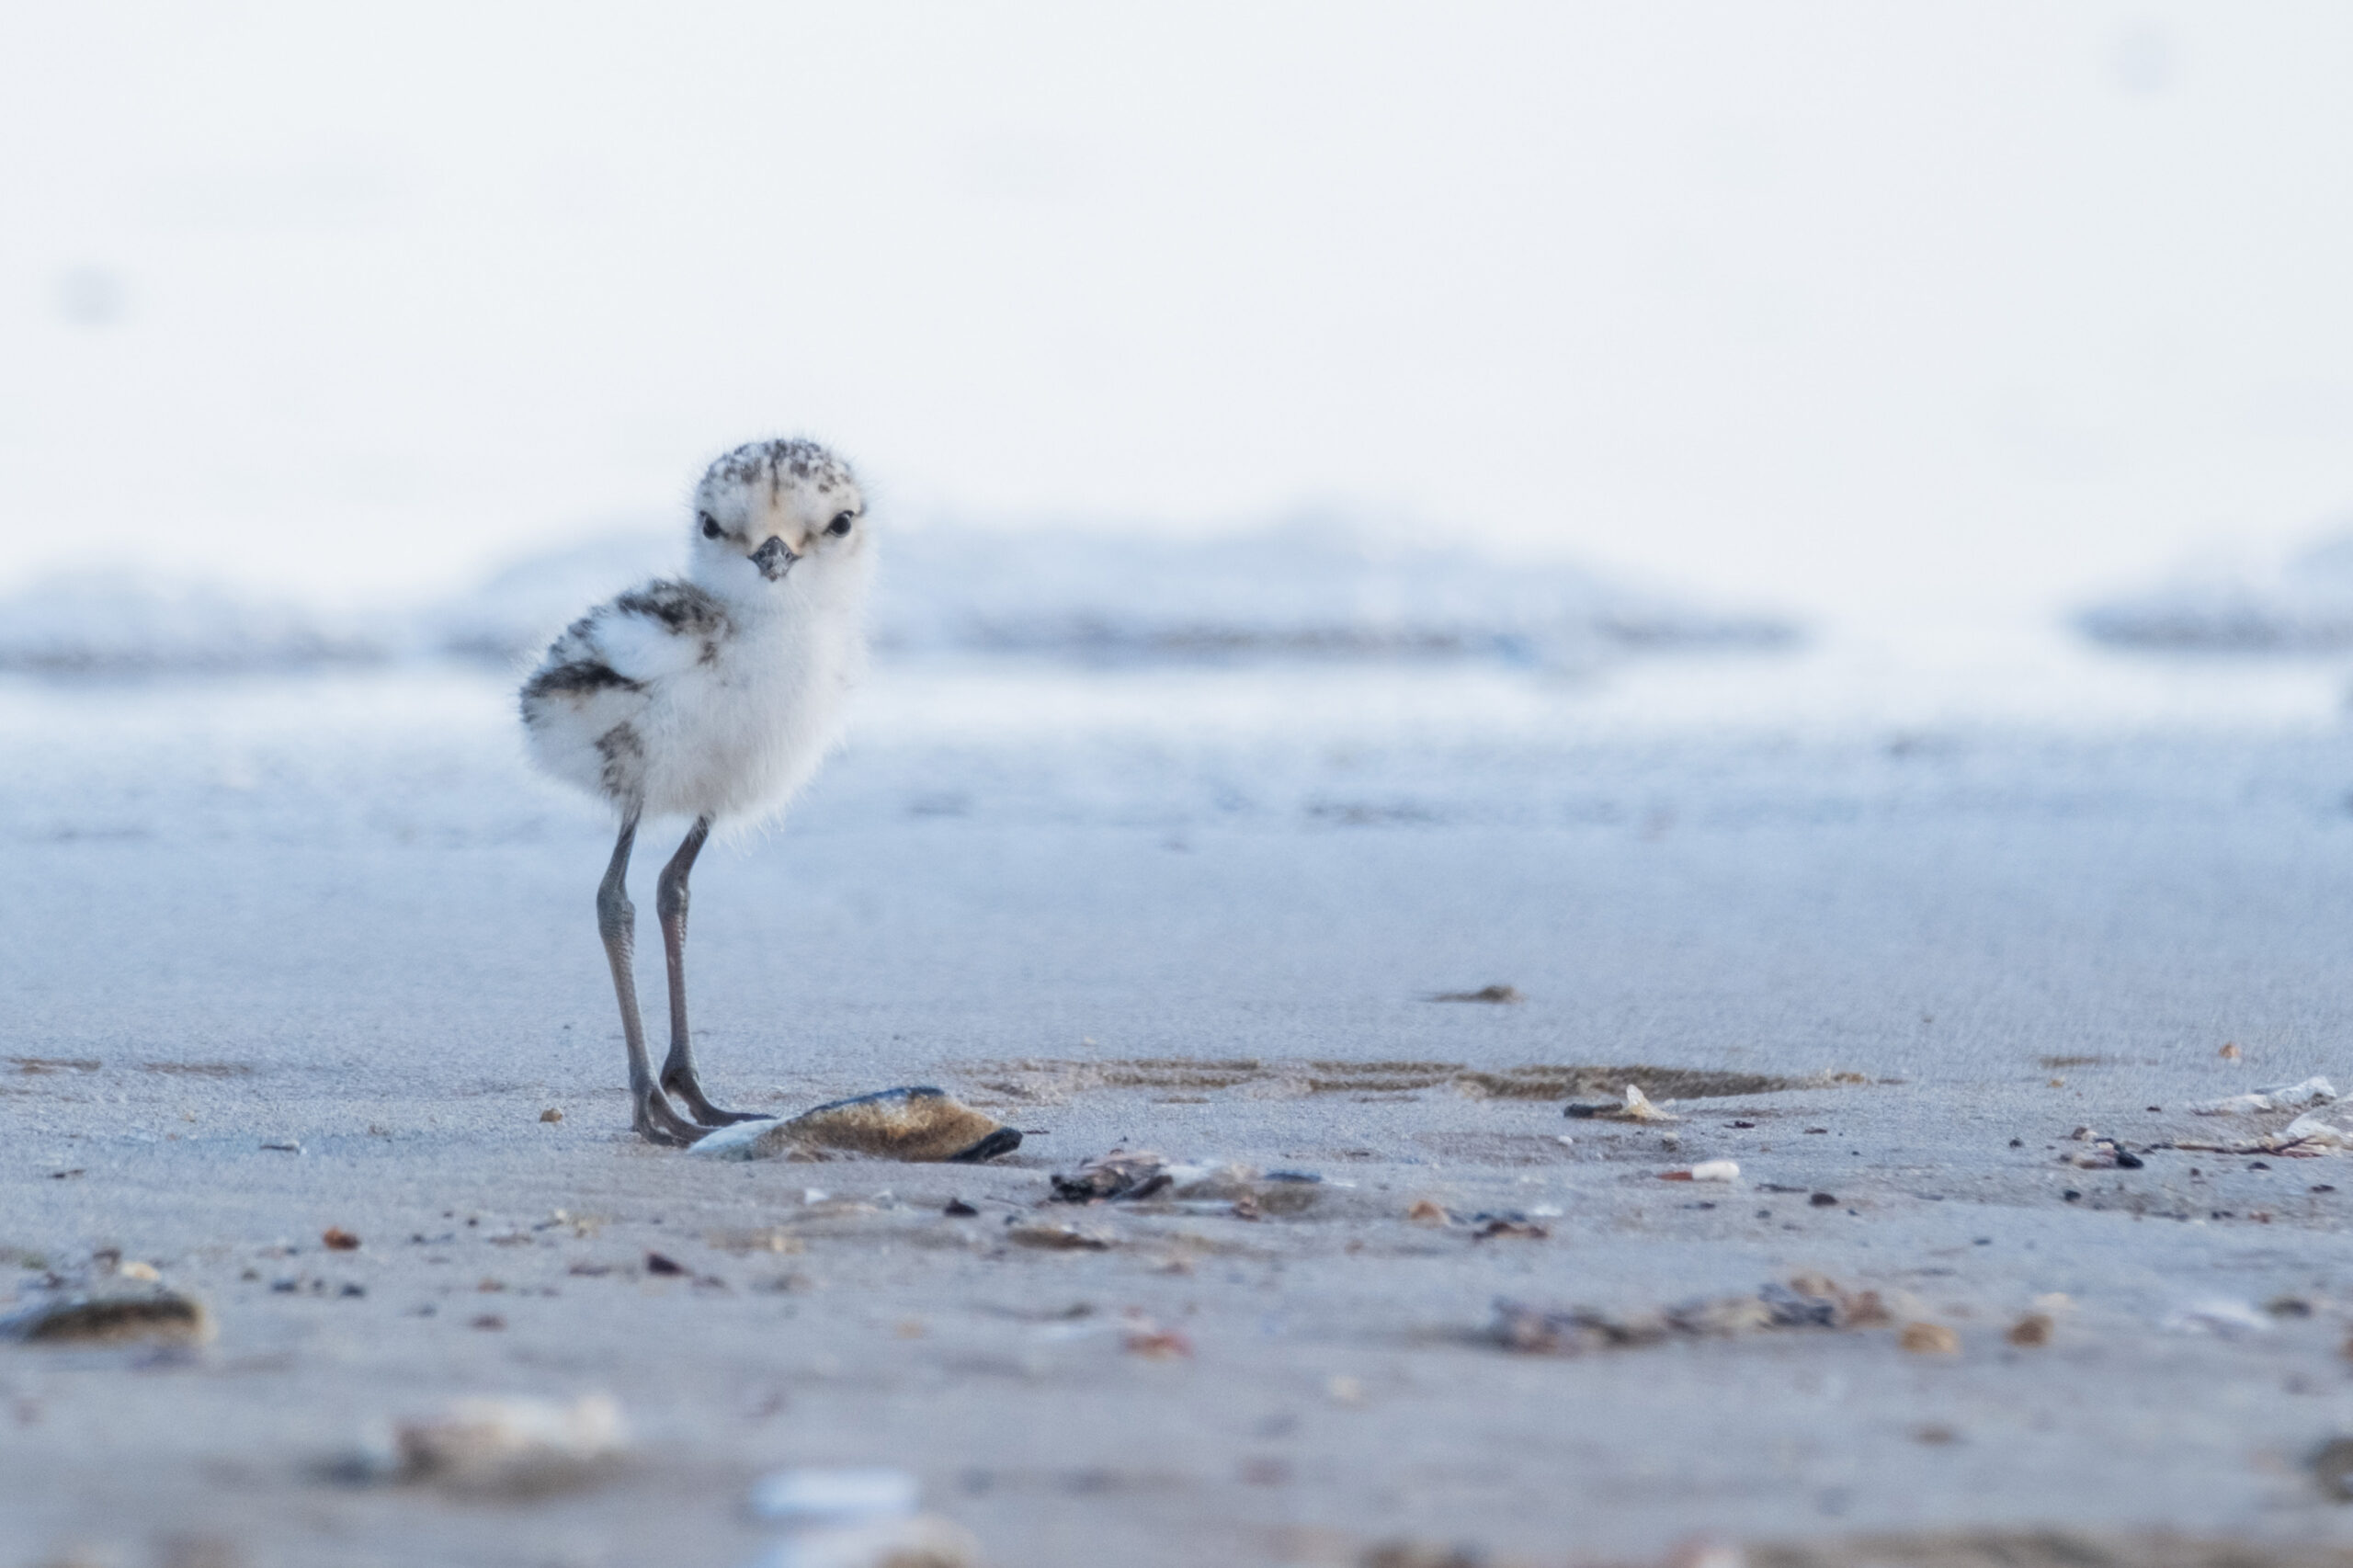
771	513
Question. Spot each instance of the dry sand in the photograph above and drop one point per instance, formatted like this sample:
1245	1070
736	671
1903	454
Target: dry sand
333	916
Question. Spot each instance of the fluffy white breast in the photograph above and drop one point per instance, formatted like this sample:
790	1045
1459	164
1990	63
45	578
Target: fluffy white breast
676	700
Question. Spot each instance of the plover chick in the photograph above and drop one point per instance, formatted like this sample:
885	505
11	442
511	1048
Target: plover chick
711	696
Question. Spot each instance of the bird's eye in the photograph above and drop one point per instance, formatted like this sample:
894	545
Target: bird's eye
840	525
710	525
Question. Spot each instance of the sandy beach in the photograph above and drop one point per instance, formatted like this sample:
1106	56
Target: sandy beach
331	912
1653	705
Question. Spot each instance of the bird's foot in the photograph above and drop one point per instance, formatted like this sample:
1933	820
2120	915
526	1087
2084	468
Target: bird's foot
657	1123
688	1091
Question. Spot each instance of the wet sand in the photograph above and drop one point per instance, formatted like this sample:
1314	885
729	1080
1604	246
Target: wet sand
336	918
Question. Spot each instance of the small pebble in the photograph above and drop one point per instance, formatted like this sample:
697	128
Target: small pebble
1425	1213
1930	1339
1049	1237
1824	1200
658	1262
2032	1330
1156	1344
550	1114
1510	1228
86	1320
1506	995
337	1239
501	1447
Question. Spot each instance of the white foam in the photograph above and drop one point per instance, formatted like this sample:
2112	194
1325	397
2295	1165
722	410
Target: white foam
1318	587
2300	604
105	623
1312	587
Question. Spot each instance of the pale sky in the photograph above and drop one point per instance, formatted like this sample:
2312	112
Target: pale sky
1865	310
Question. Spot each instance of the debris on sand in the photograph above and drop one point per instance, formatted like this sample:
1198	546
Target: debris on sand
1052	1235
1706	1170
2310	1134
1503	995
855	1518
923	1541
2279	1097
1494	1225
2104	1155
1807	1301
551	1115
2039	1549
1427	1211
167	1317
1637	1106
499	1448
2032	1330
1148	1339
2220	1317
1137	1175
2313	1133
1121	1174
335	1238
1056	1080
1253	1194
921	1123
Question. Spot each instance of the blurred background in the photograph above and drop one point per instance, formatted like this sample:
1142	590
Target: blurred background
1919	338
1799	538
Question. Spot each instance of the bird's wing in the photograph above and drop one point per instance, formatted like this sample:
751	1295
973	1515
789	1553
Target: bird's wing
637	649
656	630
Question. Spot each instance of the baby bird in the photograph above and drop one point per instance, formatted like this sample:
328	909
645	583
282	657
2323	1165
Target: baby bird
715	695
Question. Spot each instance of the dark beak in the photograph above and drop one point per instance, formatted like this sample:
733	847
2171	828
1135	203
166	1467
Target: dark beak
774	559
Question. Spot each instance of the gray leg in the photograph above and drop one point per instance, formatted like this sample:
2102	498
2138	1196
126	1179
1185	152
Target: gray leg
678	1076
616	923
